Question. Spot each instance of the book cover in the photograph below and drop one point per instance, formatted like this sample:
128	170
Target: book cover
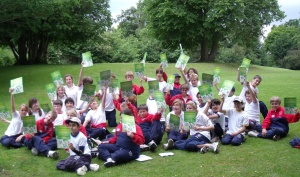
246	63
17	85
45	107
163	60
189	119
207	79
289	105
217	74
63	134
139	70
114	86
174	122
160	99
4	113
170	82
182	61
87	59
153	86
56	77
51	91
226	87
105	77
29	124
205	92
128	123
88	92
243	74
126	88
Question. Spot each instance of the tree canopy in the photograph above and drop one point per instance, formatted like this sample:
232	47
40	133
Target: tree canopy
204	23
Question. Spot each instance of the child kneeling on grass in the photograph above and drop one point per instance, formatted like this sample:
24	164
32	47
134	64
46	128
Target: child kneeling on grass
276	123
80	153
123	147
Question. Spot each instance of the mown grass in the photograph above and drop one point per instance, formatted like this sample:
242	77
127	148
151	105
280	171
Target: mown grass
256	157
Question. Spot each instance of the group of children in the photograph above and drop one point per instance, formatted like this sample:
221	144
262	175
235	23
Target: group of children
226	120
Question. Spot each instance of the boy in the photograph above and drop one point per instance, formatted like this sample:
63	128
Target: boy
42	141
123	147
237	123
184	97
193	87
276	123
251	107
80	155
61	115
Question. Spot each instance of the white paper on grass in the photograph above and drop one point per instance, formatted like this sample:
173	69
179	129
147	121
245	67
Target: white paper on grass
143	158
164	154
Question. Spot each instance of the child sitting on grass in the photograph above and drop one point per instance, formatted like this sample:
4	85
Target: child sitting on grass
13	134
80	154
276	123
123	147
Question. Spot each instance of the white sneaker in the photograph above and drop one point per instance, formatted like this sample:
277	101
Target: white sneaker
170	143
94	167
34	151
214	147
203	150
109	163
82	170
152	146
252	134
53	154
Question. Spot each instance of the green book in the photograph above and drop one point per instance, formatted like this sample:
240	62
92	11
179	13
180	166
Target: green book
226	87
87	59
217	74
139	70
17	85
45	107
207	79
289	105
56	77
160	99
126	88
205	92
246	63
153	86
105	77
170	82
128	123
88	92
51	91
114	86
4	113
174	122
243	74
144	59
29	124
163	60
63	134
189	119
182	61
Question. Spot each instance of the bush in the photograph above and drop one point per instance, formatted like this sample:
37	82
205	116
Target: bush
6	57
291	60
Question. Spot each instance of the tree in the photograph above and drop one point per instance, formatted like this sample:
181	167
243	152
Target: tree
29	26
204	23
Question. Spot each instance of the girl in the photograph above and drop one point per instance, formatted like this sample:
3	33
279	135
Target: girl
175	135
72	113
200	133
189	73
61	95
13	135
159	77
35	109
71	89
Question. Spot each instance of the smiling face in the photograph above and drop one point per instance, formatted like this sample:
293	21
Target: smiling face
94	105
35	106
23	111
177	108
238	105
190	108
194	82
74	127
255	82
143	113
61	92
275	105
215	107
69	80
129	77
69	105
49	118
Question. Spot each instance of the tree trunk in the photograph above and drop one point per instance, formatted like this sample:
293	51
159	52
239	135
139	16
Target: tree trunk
22	51
204	50
213	52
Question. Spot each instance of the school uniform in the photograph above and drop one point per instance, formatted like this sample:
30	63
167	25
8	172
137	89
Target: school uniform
135	90
173	134
97	121
110	109
72	93
121	148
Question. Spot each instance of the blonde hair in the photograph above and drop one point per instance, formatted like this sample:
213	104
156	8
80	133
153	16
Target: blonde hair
194	76
179	102
53	114
23	105
275	99
193	104
185	86
63	88
129	73
72	112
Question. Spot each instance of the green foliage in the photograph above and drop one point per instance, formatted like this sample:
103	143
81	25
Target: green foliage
6	57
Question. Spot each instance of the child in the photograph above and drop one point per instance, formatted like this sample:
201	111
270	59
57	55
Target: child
173	135
80	156
216	117
276	123
200	133
150	125
42	141
73	113
159	77
137	90
96	118
35	109
123	147
202	105
184	97
61	115
69	102
61	95
194	87
188	74
237	122
13	134
251	107
71	89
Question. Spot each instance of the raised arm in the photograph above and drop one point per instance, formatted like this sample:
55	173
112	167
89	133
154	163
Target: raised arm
216	85
80	76
221	105
207	106
104	96
183	75
12	100
253	95
238	75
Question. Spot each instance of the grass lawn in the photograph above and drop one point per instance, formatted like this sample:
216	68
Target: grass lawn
256	157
